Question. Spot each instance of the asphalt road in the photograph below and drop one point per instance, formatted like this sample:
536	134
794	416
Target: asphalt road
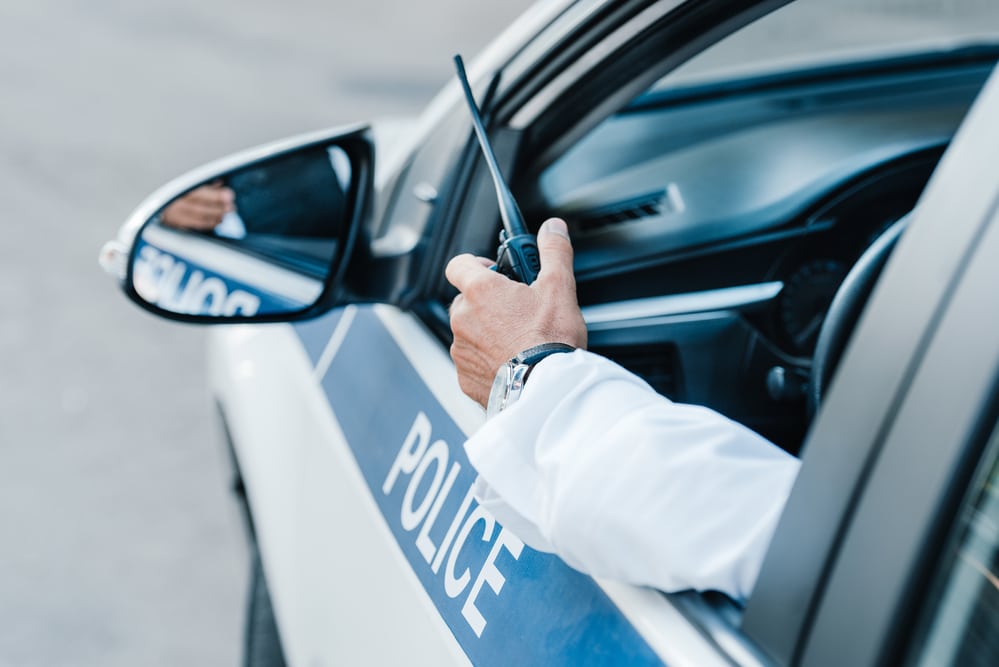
119	543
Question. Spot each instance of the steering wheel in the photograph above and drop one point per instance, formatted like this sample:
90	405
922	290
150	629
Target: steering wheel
847	304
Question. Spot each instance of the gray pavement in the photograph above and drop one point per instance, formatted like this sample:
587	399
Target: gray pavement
119	543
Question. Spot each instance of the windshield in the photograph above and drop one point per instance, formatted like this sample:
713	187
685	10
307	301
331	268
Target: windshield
810	33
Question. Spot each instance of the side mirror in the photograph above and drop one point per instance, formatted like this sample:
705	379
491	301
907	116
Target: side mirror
265	235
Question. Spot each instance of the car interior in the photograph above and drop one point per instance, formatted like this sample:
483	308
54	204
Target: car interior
715	222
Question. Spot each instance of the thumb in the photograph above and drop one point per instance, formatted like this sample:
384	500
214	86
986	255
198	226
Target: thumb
555	250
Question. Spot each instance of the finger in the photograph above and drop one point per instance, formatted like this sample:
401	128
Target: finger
178	214
463	270
212	218
455	306
216	197
555	250
228	198
213	207
186	214
207	216
202	195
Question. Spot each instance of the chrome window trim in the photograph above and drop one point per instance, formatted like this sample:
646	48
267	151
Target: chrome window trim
653	309
720	626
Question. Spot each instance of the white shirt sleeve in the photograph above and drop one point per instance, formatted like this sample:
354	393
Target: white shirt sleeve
622	483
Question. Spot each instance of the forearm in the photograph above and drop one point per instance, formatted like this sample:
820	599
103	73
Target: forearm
622	483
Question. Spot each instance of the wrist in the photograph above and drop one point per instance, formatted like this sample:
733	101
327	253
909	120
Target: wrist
512	375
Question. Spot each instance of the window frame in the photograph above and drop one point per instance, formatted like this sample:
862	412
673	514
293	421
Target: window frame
780	614
534	77
913	432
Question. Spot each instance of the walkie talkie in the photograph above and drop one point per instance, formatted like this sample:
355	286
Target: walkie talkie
517	256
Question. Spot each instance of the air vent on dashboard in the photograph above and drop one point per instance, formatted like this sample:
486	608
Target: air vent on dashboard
656	363
625	210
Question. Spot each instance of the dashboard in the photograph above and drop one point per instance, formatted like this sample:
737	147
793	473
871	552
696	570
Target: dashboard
712	229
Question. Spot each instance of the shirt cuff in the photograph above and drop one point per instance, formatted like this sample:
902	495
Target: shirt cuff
503	450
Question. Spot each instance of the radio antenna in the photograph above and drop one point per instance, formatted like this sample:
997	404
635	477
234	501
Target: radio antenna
517	256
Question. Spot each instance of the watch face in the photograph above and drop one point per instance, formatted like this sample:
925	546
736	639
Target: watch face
497	395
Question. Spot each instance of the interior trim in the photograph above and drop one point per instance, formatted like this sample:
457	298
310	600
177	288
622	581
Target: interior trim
609	315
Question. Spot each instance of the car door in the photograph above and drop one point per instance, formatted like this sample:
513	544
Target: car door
920	550
898	464
373	547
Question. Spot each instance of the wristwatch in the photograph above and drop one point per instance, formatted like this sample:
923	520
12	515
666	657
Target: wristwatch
512	375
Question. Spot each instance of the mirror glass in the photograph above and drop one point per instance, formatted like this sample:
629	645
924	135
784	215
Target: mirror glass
259	240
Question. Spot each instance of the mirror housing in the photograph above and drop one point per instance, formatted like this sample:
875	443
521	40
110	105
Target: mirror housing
264	235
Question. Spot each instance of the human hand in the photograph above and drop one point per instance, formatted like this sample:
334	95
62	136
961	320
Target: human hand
201	209
495	318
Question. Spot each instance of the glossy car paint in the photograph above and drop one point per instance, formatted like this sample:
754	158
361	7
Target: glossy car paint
342	559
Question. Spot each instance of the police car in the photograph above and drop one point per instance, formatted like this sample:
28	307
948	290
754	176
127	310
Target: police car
788	212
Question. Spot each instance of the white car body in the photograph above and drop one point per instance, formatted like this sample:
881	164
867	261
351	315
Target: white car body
347	429
323	528
316	512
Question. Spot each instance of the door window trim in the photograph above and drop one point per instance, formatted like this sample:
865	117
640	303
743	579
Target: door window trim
893	336
920	475
811	528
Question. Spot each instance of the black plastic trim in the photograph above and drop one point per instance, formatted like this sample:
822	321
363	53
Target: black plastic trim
360	149
923	453
847	437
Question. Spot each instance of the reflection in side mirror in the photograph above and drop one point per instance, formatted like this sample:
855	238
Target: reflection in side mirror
263	240
181	273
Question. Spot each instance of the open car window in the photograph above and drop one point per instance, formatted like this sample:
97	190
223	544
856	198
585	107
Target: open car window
714	224
716	213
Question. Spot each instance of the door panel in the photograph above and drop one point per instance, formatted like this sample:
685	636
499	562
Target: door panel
341	595
349	431
504	602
